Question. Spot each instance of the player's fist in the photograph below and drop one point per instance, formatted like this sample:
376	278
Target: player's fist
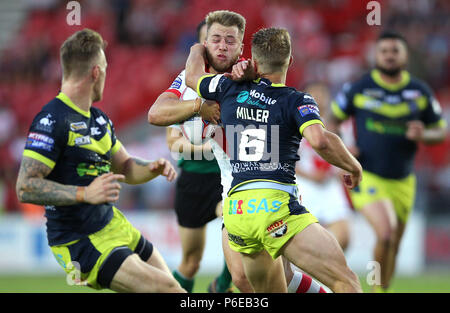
104	188
244	70
164	168
351	180
415	130
210	111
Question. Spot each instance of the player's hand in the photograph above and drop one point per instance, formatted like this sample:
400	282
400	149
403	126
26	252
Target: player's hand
103	189
164	168
198	48
351	180
415	130
243	71
210	111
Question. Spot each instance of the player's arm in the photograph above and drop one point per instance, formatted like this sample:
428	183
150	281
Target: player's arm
33	187
138	171
417	131
168	109
331	148
195	68
178	143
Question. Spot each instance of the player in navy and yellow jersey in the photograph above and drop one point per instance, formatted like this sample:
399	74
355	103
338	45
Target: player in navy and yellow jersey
264	122
72	163
393	112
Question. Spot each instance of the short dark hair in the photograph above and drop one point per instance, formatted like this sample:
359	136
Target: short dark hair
389	34
199	28
79	51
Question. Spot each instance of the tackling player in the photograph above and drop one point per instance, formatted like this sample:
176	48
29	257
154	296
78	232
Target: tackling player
262	214
71	164
393	112
224	39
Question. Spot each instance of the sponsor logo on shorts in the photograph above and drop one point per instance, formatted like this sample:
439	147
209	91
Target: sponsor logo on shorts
277	229
236	239
254	206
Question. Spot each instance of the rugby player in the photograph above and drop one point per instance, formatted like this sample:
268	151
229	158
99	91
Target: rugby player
224	39
393	112
261	213
198	193
72	163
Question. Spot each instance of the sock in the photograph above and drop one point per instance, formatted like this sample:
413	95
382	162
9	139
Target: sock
223	280
302	283
186	283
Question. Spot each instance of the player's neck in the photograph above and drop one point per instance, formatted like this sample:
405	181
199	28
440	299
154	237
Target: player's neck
391	79
78	93
275	78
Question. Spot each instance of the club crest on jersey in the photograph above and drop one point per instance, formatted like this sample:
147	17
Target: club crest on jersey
277	229
77	126
308	109
46	123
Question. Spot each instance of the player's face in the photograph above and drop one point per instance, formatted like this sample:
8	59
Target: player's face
391	56
100	83
223	46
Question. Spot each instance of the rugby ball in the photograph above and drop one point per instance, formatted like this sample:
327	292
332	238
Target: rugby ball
197	130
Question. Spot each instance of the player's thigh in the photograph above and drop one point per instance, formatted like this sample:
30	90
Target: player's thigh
135	275
381	216
232	258
264	273
156	260
193	240
318	253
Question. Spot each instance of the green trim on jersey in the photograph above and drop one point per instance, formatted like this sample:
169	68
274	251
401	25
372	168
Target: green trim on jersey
405	79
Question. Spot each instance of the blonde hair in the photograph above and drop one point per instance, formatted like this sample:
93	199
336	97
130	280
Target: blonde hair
79	52
226	18
271	49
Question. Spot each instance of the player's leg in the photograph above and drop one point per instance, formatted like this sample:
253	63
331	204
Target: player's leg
394	251
341	230
192	244
135	275
235	266
298	281
264	273
317	252
382	218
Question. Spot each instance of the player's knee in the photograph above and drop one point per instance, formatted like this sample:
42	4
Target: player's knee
191	265
386	236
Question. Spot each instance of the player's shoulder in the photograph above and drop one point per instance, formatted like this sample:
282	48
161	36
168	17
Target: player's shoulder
356	85
299	97
416	83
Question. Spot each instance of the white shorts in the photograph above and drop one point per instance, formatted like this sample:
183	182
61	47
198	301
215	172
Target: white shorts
326	201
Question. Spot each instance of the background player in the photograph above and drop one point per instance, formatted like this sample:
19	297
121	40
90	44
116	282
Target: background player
286	228
317	178
68	165
393	112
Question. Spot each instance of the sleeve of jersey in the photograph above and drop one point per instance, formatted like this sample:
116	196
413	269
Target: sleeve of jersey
306	113
45	140
178	85
342	105
432	115
212	86
115	143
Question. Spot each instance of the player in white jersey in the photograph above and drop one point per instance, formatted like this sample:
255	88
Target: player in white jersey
316	177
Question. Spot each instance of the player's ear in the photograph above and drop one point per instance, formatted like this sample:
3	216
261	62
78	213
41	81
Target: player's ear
95	72
291	60
242	49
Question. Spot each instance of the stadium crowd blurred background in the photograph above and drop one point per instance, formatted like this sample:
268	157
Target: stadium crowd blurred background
148	42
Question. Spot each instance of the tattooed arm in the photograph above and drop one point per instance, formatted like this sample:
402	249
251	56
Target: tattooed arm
138	171
33	187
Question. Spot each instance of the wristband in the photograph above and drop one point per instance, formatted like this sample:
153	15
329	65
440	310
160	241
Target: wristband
201	104
80	195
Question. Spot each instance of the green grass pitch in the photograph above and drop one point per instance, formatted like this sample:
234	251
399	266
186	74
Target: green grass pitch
426	283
